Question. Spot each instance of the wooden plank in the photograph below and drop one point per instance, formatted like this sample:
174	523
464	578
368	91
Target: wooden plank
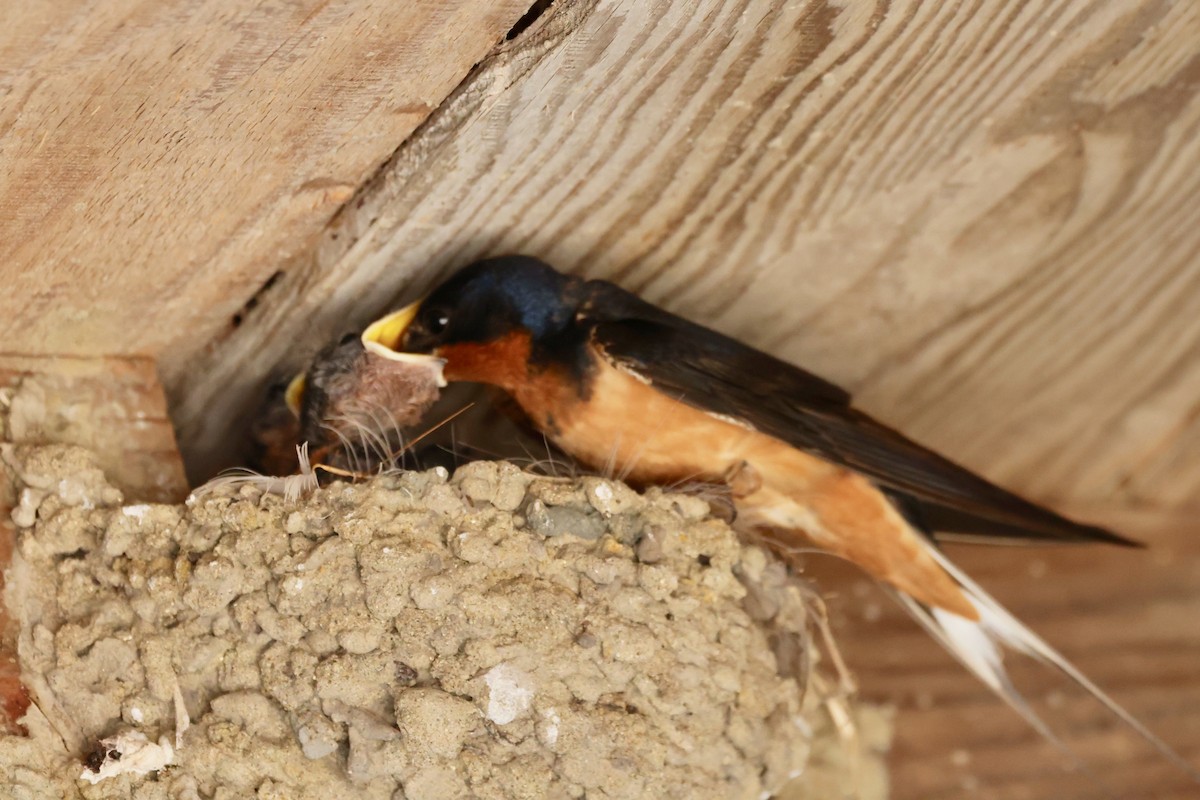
1127	619
162	158
976	215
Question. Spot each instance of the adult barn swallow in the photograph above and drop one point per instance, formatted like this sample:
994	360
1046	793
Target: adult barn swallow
623	385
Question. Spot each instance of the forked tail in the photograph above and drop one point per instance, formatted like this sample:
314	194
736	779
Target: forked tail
977	645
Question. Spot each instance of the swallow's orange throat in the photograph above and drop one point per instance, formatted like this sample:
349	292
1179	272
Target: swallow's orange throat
501	362
545	394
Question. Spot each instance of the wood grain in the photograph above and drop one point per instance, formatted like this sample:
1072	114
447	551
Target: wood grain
160	158
979	216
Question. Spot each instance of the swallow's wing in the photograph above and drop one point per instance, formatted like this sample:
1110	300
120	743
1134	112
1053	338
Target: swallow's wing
723	376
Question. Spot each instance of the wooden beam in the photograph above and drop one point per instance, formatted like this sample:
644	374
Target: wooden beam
162	158
975	215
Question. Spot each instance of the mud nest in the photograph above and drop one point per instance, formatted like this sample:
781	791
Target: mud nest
493	634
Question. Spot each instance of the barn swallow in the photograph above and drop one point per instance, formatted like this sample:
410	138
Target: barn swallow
273	433
352	405
622	385
344	416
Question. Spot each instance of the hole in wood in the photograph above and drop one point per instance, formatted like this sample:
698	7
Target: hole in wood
253	302
531	16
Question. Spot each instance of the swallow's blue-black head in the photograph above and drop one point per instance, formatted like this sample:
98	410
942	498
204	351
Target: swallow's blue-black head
513	300
490	299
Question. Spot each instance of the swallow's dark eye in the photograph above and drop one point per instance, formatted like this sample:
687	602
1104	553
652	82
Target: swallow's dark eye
348	338
437	322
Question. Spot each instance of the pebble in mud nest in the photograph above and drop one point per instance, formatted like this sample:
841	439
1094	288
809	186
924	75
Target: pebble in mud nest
414	637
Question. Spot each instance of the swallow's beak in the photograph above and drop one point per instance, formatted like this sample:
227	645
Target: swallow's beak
294	396
383	337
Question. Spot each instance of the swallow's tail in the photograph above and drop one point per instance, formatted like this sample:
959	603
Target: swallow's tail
978	646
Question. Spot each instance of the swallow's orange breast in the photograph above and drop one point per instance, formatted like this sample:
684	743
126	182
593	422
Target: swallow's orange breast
629	428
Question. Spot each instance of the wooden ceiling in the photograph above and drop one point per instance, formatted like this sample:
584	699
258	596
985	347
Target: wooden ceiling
981	217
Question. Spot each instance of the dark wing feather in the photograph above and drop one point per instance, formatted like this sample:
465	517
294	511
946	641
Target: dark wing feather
723	376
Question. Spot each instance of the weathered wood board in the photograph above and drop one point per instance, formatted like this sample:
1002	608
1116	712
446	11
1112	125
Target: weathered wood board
981	217
161	158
